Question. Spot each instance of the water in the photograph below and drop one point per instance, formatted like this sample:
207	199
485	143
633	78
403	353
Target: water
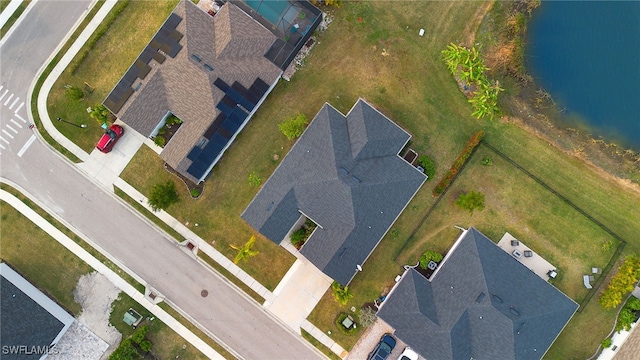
586	54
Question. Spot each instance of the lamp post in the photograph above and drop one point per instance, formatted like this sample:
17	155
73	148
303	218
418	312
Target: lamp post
70	123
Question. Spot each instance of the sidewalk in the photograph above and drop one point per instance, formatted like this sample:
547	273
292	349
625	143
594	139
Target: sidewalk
105	171
112	276
8	11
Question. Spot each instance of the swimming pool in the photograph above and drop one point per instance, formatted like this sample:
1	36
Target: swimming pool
272	10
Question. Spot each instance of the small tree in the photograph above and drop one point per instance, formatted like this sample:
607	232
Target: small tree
294	127
245	251
74	92
429	255
100	113
622	283
471	201
163	195
139	334
606	343
341	293
428	165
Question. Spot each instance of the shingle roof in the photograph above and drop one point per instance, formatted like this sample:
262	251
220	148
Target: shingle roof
232	43
345	174
481	303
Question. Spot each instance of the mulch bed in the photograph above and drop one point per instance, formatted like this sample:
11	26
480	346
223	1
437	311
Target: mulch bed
188	183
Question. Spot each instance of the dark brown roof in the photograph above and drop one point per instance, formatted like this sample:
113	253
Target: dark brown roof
232	44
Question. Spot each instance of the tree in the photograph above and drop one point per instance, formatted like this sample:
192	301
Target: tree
163	195
622	283
428	165
341	293
429	255
294	127
471	201
73	92
244	251
100	113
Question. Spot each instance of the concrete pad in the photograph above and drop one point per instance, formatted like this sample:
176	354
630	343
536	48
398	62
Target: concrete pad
535	263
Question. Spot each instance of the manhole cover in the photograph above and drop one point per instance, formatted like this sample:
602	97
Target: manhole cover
204	293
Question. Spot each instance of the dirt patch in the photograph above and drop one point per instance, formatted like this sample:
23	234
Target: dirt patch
95	293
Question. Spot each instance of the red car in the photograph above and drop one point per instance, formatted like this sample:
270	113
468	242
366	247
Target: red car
109	138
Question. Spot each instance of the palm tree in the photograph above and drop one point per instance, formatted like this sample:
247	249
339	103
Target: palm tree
244	251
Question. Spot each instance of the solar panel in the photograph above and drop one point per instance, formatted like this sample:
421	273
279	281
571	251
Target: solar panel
193	154
224	108
197	169
175	49
239	88
176	35
144	68
159	58
220	84
172	21
154	44
147	54
227	134
215	125
240	99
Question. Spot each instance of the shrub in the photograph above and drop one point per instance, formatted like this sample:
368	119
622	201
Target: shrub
471	201
163	195
298	237
367	316
487	161
428	165
254	180
125	351
159	140
606	343
139	334
627	315
195	193
429	256
172	120
622	283
460	161
340	293
100	114
340	327
74	92
245	251
294	127
145	346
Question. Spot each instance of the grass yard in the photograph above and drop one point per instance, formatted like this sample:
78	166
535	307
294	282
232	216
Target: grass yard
39	258
104	64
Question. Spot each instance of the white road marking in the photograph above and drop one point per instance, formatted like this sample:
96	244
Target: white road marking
15	122
12	129
26	145
20	107
14	103
7	133
1	87
3	139
3	95
9	99
2	147
20	117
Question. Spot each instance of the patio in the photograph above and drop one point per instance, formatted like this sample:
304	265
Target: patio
526	256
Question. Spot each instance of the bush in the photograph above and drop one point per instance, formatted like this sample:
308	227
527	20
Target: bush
606	343
340	293
125	351
460	161
428	165
163	195
367	316
471	201
293	127
195	193
139	334
172	120
429	256
298	237
74	92
254	180
145	346
159	140
340	327
622	283
627	314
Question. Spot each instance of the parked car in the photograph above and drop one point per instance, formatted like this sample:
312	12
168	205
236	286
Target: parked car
109	138
408	354
384	348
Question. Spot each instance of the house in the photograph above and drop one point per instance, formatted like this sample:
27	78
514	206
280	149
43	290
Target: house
480	303
31	323
210	71
344	174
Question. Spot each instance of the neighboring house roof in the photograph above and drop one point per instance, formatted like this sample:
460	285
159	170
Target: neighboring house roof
210	72
28	317
344	173
481	303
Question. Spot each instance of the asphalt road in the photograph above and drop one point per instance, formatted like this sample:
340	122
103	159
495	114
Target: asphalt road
55	182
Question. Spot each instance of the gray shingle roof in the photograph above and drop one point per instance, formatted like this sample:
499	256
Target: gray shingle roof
481	304
232	43
345	174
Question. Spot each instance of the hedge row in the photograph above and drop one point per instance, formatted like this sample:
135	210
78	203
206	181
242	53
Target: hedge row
460	161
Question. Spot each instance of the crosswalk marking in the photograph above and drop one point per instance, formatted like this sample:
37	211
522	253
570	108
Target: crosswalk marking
9	99
2	147
3	139
20	117
20	107
12	129
16	123
14	103
26	145
7	133
3	95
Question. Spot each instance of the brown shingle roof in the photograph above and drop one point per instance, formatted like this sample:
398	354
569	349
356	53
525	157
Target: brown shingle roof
231	43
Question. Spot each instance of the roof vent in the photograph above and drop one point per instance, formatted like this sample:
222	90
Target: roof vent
514	311
343	170
271	206
480	297
355	179
195	57
208	67
497	298
342	251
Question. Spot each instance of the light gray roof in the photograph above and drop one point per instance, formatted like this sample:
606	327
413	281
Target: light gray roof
345	174
232	43
481	303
